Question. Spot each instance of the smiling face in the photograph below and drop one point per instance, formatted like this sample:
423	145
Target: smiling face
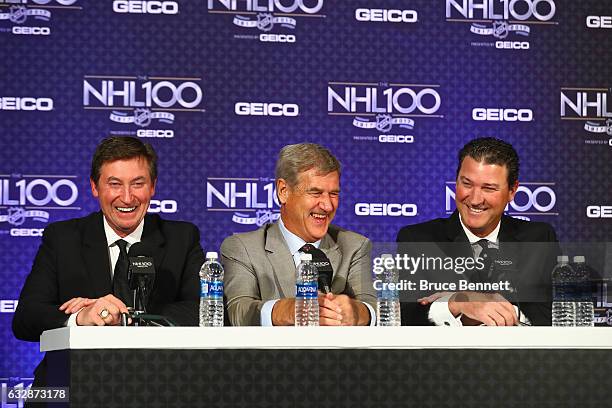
124	190
482	195
308	208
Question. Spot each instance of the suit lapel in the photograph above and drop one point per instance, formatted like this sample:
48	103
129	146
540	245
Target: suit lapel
95	256
507	230
509	245
281	260
154	239
459	243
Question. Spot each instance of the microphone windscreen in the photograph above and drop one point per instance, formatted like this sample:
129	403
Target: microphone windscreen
140	249
324	267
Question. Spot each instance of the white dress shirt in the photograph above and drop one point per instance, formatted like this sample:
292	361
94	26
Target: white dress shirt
113	253
439	314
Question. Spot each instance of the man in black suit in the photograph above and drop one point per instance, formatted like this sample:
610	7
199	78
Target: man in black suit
487	180
79	276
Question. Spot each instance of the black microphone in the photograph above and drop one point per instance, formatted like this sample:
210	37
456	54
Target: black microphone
325	269
141	274
504	268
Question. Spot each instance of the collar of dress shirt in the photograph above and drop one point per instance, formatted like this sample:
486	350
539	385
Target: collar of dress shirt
293	241
112	237
492	237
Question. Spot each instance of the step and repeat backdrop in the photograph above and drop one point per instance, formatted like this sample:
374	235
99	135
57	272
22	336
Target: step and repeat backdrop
393	88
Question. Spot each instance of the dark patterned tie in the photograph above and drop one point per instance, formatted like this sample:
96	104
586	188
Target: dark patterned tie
121	288
488	255
307	248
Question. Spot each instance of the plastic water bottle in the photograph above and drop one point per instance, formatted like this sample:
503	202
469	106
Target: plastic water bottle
388	304
306	297
584	293
564	293
211	292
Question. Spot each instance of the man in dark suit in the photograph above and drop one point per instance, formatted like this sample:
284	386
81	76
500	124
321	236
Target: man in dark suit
487	180
79	276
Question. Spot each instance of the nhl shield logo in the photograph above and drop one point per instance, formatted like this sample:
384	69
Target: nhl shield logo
609	127
142	117
384	123
16	216
500	29
265	21
263	217
18	14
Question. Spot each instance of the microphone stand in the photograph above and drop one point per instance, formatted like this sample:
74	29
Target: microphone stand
139	314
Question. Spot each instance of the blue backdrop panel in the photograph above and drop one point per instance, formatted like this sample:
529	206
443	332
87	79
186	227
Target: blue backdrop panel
393	88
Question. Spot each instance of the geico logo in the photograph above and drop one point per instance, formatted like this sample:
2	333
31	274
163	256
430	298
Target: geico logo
384	209
142	264
599	21
163	206
164	94
384	15
145	7
168	133
26	103
502	115
599	211
402	100
288	38
32	30
542	10
29	192
284	6
27	232
396	139
542	199
8	306
512	45
266	109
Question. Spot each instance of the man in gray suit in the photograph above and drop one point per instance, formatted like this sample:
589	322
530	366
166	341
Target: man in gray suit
260	265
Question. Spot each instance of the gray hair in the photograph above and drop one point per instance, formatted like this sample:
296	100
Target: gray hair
298	158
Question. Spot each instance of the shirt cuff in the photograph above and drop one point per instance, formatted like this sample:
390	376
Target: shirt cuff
522	317
440	315
266	313
372	314
71	322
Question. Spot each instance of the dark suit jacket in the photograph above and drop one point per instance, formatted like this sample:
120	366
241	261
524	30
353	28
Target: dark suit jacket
534	263
73	261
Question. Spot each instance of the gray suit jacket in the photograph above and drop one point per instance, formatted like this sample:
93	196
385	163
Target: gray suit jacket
259	267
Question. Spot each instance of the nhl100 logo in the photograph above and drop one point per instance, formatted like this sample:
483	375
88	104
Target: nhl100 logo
507	16
142	101
253	200
530	199
384	106
31	197
267	15
21	10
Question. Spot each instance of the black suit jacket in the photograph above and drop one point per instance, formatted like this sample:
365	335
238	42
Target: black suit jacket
73	261
534	263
